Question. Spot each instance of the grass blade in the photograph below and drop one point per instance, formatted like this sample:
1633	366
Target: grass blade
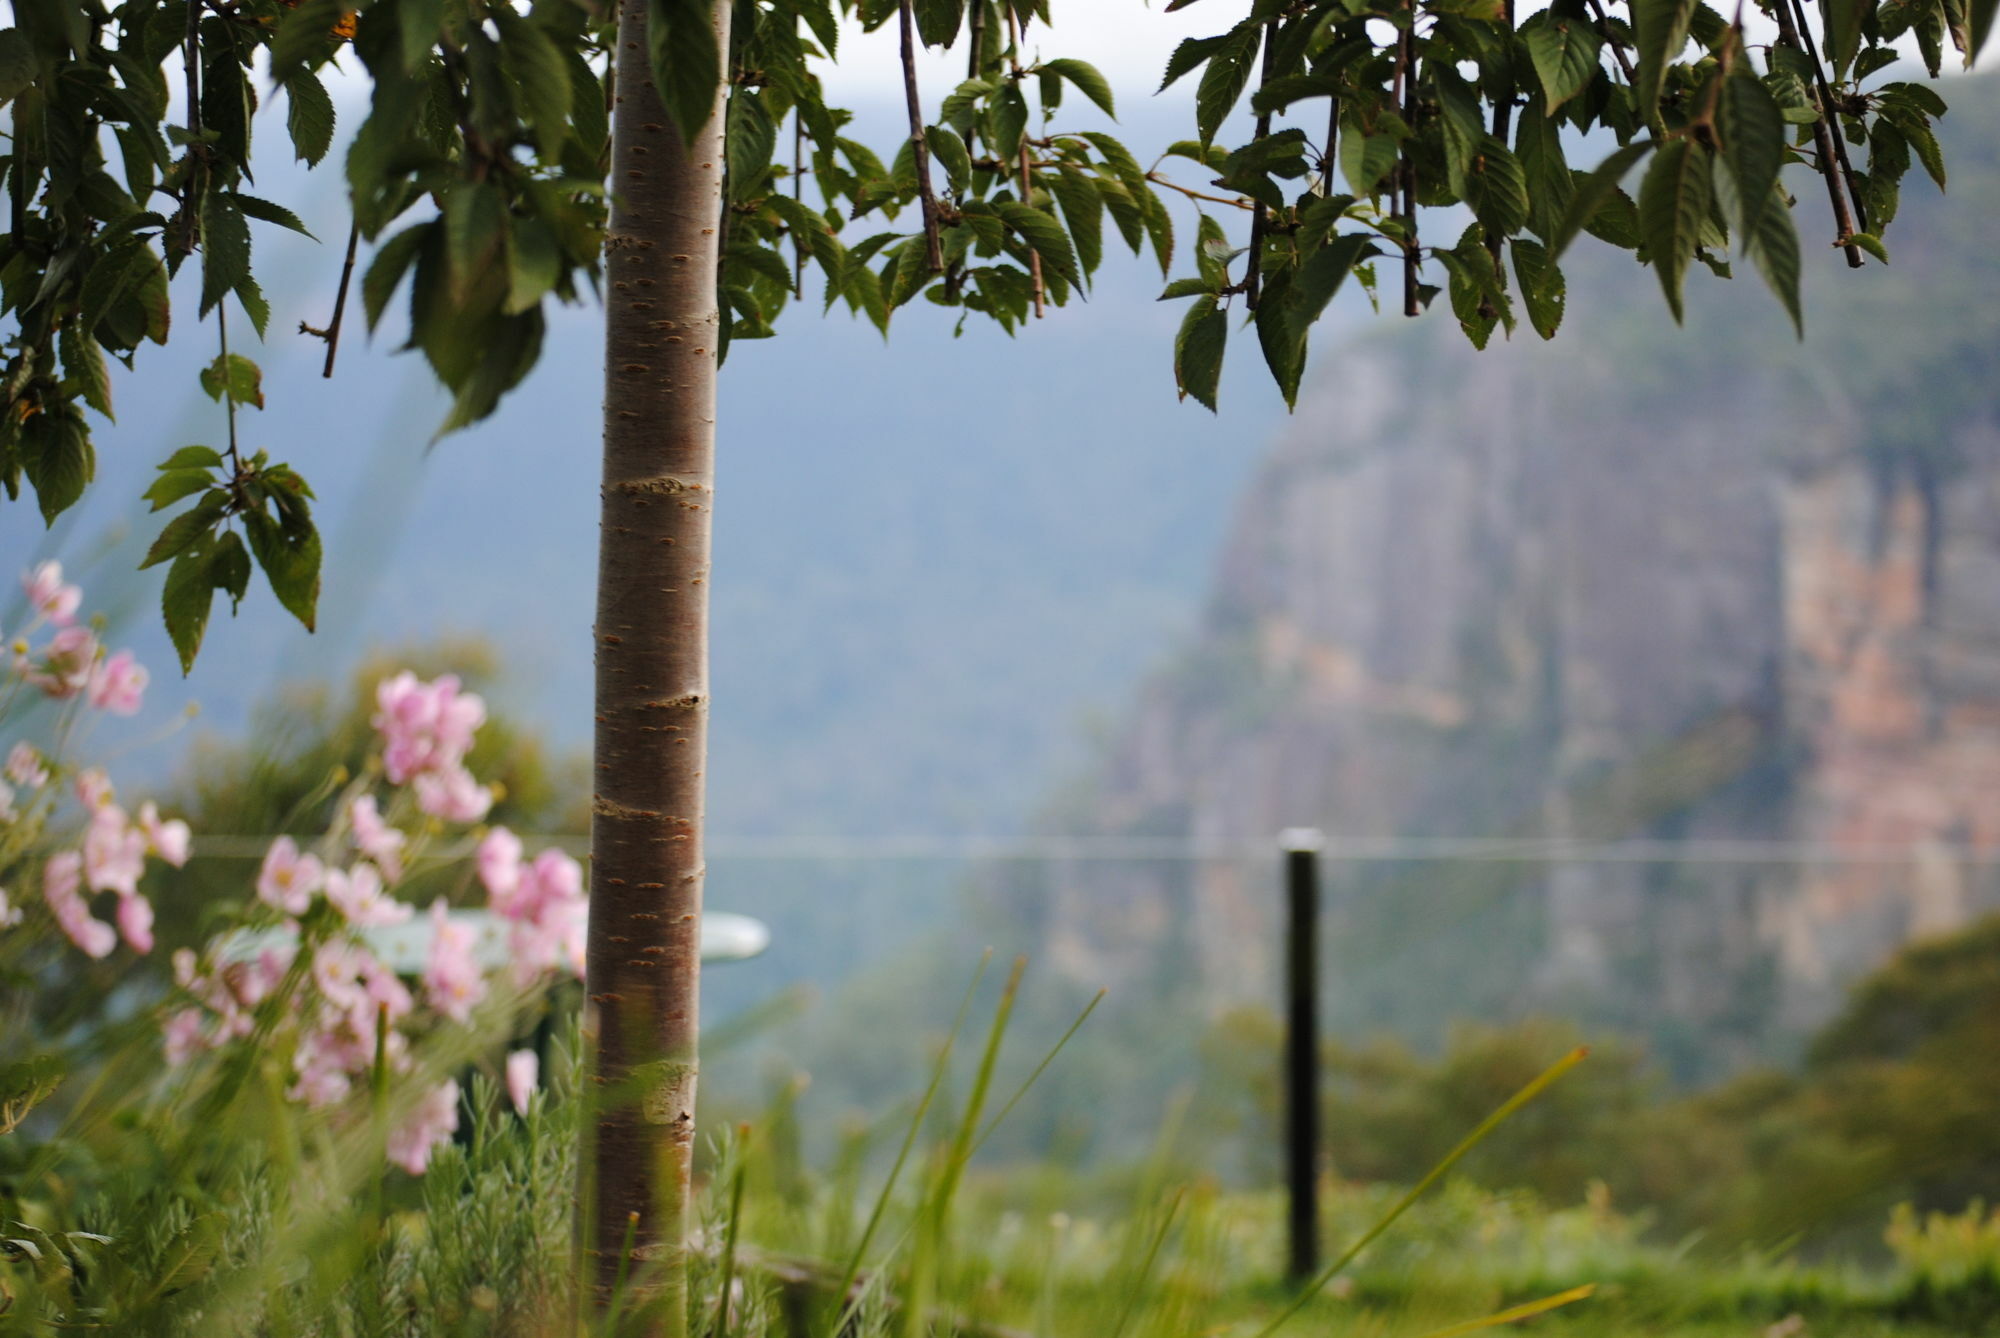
1526	1310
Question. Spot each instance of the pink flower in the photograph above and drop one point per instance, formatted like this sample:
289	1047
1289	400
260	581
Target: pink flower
93	789
117	684
431	1123
358	894
114	853
424	726
375	838
182	1033
170	840
10	914
49	596
66	664
135	922
6	802
452	980
24	767
322	1072
452	794
524	1067
62	879
289	879
499	863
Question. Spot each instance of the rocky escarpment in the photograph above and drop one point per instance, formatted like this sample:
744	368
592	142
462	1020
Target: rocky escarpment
1705	588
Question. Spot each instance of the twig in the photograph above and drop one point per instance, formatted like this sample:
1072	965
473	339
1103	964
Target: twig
1252	280
920	149
1027	186
191	64
798	188
1617	49
977	33
1828	112
1326	157
1237	202
332	332
1824	140
1405	92
228	390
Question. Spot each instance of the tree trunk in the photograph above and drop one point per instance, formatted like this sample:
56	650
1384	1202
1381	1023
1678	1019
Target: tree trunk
651	647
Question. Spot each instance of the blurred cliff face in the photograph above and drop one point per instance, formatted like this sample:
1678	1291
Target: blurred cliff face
1700	586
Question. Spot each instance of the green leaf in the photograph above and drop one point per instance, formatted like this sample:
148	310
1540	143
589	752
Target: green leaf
1673	205
386	270
540	71
475	230
752	138
175	484
1752	128
189	528
951	154
309	117
1845	20
686	64
184	603
1870	243
1980	26
1187	288
1592	191
1774	249
17	64
1660	28
1538	144
1496	189
1160	230
1286	89
1542	289
1189	55
1282	340
83	363
1223	82
1042	233
55	453
225	249
238	377
193	457
1083	211
1565	51
534	263
1086	79
1198	350
267	212
937	20
254	304
288	549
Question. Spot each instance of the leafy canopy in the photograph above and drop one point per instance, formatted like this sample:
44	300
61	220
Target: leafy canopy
477	181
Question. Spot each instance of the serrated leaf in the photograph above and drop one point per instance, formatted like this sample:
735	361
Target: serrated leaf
1496	189
1186	288
229	568
1189	55
1083	210
83	363
1752	127
193	457
686	64
175	484
55	453
1086	79
289	552
1592	191
1198	348
1870	243
1042	233
189	528
185	602
386	270
1565	52
540	71
225	249
17	64
1543	291
1774	249
752	138
1223	82
1660	30
1673	206
1845	22
309	117
951	154
1282	340
238	377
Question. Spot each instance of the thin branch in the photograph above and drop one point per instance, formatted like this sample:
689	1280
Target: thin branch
332	332
1503	119
798	189
191	65
1405	92
1237	202
1027	186
1824	139
228	391
1326	157
1828	111
1617	49
1252	281
920	149
978	39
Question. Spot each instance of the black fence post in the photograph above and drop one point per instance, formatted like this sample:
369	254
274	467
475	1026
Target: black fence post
1302	846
